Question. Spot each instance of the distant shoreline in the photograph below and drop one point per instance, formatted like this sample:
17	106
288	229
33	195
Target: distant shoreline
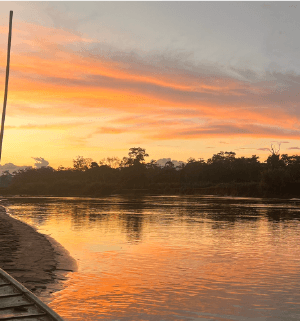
222	174
221	190
35	260
245	189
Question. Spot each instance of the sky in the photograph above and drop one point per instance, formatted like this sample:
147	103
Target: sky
180	79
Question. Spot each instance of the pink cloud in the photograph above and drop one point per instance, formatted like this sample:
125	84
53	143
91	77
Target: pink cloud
178	100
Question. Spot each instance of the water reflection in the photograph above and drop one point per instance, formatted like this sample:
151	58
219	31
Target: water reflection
173	258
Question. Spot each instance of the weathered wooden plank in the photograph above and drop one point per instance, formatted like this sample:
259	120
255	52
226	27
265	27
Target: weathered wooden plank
13	302
19	311
8	289
25	298
17	307
10	295
2	281
33	318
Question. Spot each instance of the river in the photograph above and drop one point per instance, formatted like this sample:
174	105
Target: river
173	257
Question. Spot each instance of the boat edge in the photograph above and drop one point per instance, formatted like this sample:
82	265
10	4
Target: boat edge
31	296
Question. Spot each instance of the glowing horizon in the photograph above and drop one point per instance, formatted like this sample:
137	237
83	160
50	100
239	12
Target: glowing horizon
98	88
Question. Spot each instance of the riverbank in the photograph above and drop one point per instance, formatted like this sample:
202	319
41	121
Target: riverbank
277	189
34	259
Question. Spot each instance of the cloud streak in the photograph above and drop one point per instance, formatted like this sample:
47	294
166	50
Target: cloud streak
173	94
59	126
293	148
226	130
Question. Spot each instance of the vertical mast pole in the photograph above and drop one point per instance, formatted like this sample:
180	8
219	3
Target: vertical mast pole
6	81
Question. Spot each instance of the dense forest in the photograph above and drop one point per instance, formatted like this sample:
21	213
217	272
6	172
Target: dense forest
222	174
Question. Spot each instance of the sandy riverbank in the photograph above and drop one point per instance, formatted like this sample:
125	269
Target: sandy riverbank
37	261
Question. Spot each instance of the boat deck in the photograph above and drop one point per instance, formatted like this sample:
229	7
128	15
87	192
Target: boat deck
18	303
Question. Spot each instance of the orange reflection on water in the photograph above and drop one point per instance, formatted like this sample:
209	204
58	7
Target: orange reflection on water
171	262
154	279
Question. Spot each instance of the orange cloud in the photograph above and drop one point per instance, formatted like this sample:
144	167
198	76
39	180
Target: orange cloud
61	126
57	72
225	130
111	130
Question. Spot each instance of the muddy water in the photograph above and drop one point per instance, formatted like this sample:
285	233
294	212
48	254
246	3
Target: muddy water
173	258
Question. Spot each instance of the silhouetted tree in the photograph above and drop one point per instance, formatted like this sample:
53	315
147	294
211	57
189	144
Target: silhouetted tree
221	166
136	156
274	161
113	162
94	165
222	173
81	164
5	179
134	168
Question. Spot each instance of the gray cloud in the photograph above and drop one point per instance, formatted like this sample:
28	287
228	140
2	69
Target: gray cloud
249	95
263	95
162	162
12	167
227	129
264	149
40	162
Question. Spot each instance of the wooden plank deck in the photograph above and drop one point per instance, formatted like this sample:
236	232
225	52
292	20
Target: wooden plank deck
18	303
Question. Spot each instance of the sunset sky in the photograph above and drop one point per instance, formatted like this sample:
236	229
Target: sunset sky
180	79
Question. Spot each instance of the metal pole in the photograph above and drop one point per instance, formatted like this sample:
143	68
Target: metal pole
6	81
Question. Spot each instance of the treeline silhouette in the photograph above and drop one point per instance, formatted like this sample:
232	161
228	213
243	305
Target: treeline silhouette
222	174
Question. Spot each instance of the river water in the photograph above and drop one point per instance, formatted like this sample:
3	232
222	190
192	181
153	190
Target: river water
173	257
